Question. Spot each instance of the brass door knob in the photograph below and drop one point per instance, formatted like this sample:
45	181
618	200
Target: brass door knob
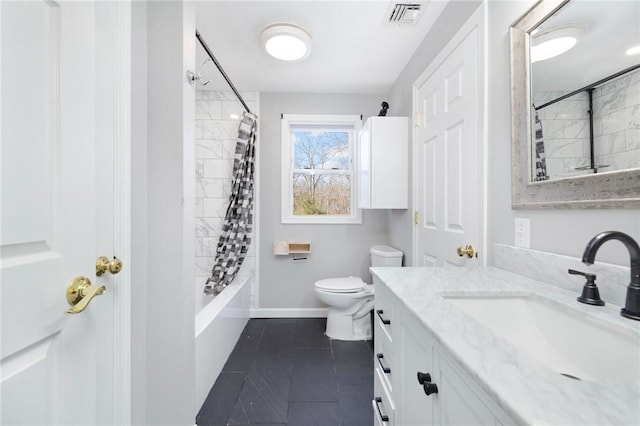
466	250
104	264
80	292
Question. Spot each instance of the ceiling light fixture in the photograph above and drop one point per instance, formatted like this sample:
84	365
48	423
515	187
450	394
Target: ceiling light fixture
554	42
635	50
287	42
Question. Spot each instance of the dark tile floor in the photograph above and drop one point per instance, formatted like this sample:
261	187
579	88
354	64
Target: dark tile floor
287	372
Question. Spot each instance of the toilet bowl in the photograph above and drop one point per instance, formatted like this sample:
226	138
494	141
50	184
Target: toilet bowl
349	299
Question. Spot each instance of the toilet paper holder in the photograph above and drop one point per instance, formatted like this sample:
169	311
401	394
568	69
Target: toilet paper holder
284	248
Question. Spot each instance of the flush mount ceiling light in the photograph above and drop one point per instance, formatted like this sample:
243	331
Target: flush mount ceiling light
287	42
635	50
553	42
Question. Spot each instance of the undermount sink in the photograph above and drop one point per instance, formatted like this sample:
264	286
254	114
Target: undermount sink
564	340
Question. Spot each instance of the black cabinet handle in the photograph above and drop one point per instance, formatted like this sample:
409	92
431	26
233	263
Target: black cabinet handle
383	417
387	370
430	388
384	321
423	377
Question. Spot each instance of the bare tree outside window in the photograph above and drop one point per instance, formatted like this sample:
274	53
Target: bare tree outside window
322	172
318	169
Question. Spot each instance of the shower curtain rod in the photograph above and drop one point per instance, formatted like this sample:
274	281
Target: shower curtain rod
224	74
591	86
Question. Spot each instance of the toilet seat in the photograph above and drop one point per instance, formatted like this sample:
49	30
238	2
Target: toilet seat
341	285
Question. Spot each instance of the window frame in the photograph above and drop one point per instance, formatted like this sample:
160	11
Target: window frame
287	162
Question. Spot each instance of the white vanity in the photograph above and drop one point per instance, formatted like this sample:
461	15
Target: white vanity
496	348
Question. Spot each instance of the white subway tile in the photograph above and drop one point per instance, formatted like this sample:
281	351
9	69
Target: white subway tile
199	168
209	246
575	129
219	129
208	110
205	148
210	188
198	207
217	168
204	265
198	246
230	108
197	131
229	148
633	139
208	226
214	207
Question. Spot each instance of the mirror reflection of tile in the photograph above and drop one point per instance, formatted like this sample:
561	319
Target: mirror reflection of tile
616	127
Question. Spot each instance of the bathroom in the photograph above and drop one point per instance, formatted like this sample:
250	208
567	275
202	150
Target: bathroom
155	333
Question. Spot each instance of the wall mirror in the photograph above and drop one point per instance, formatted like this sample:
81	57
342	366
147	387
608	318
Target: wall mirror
575	100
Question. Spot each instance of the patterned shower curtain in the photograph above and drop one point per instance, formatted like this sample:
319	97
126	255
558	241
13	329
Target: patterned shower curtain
238	221
541	162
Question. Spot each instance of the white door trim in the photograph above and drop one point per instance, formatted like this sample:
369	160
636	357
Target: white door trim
476	21
122	215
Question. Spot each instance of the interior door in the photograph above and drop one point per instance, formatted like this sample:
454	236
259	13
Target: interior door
446	139
56	367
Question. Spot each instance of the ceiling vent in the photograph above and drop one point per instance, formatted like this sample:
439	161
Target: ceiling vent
403	13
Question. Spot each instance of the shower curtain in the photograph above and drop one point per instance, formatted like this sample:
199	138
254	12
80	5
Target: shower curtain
238	221
541	163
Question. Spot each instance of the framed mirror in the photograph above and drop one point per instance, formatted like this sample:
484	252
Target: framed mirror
575	120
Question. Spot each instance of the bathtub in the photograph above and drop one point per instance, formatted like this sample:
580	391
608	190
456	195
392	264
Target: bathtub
218	327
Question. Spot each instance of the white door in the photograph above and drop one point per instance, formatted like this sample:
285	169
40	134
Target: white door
448	188
56	367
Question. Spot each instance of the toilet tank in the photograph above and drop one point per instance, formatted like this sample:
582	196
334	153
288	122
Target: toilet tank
385	256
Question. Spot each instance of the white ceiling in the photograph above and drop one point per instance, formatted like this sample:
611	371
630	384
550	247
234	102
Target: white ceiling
609	29
353	50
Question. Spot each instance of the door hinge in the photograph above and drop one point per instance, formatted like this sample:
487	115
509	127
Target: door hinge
416	217
417	119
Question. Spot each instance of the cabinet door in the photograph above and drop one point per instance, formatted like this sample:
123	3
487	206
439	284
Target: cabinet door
457	403
364	166
415	407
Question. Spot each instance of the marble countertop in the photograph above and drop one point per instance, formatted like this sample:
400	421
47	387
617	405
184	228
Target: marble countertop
528	391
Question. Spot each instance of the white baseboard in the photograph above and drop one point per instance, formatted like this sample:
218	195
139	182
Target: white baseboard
289	313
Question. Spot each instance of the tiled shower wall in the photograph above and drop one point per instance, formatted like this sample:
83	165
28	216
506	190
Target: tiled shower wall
565	127
616	124
216	131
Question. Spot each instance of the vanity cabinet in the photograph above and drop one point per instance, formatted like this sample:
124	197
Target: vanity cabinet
455	397
383	155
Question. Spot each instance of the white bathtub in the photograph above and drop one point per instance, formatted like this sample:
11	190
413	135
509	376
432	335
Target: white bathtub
218	327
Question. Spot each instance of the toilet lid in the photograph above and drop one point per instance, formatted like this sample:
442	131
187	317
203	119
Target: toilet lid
341	285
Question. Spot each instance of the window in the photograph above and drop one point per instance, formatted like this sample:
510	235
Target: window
318	178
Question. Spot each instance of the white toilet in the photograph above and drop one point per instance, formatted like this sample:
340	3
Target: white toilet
350	299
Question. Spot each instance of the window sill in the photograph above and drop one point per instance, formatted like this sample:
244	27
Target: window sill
322	220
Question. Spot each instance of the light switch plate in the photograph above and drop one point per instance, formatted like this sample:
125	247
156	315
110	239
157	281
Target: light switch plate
523	233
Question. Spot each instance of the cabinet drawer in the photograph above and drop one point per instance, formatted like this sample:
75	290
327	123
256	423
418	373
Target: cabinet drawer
384	364
384	409
384	313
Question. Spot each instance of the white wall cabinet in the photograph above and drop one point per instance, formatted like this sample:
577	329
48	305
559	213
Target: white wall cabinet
458	400
383	156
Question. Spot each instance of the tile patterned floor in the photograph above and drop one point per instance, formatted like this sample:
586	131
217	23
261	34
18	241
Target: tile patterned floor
287	372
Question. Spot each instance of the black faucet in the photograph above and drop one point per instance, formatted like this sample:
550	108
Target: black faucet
632	303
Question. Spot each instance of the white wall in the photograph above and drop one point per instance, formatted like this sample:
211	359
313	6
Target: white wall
337	250
456	13
557	231
163	332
